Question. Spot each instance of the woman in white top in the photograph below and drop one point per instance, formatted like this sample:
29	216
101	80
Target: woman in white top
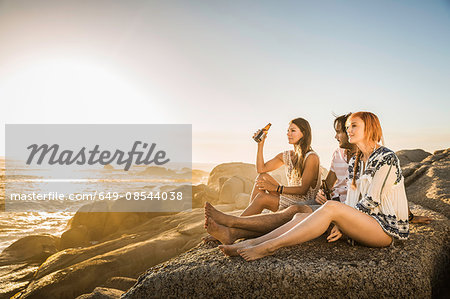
376	209
302	172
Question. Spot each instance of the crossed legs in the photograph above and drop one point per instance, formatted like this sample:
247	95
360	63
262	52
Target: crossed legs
260	199
353	223
227	228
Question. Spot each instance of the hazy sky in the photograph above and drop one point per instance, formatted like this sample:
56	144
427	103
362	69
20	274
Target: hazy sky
229	67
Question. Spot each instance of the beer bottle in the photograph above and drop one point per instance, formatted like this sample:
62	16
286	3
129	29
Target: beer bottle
326	190
260	133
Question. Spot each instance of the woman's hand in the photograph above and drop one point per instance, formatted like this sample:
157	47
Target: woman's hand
264	184
320	197
334	235
263	138
421	219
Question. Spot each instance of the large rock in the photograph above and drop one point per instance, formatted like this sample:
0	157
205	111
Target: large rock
102	293
76	236
317	269
228	170
19	261
232	187
408	156
87	225
76	271
32	248
120	283
428	185
418	267
241	200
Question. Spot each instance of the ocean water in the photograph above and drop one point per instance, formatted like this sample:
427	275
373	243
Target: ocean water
16	225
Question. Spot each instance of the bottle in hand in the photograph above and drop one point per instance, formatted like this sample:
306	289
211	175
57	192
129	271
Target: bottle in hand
326	190
261	133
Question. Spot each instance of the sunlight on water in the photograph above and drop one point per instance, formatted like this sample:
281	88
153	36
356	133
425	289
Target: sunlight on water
16	225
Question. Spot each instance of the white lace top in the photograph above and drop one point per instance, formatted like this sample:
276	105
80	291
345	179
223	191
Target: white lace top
287	200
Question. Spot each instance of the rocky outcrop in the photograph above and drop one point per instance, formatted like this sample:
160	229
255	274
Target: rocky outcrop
416	268
105	252
19	261
427	182
102	293
408	156
76	271
224	171
32	248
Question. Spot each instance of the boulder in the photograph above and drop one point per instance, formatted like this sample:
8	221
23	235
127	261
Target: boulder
228	170
428	184
415	268
418	267
119	283
98	226
20	261
159	171
75	237
102	293
233	186
32	248
408	156
76	271
241	200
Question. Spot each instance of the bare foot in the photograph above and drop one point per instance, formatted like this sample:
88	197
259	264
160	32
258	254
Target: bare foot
218	216
232	250
209	238
255	252
220	232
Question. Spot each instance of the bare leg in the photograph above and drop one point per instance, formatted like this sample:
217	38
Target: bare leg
261	223
256	191
227	235
262	201
232	250
353	223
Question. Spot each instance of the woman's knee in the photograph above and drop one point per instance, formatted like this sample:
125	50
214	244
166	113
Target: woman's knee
331	206
261	199
297	216
262	176
294	209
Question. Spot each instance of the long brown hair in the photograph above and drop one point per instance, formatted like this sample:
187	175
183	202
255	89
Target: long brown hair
303	145
372	132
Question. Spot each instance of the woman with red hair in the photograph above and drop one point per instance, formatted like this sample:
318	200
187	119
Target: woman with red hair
374	213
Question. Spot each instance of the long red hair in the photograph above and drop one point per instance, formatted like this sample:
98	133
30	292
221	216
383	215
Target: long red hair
372	133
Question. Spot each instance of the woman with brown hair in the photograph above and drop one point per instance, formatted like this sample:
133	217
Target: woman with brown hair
302	172
374	213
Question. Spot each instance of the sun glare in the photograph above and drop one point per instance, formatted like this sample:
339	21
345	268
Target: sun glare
83	88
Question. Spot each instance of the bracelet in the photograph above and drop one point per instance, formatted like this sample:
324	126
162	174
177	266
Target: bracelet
278	188
410	216
281	189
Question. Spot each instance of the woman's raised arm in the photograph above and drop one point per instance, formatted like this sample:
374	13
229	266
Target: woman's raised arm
270	165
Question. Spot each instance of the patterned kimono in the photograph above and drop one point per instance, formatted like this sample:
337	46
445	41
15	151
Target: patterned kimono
380	191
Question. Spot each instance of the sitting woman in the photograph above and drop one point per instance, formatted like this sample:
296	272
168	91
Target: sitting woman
302	172
374	213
